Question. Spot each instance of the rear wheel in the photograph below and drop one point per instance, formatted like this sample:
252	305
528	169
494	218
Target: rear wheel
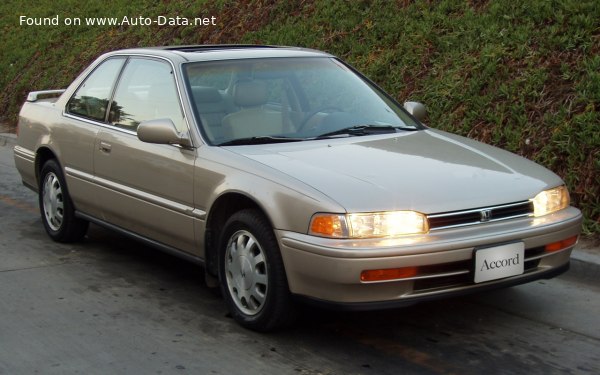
252	274
56	207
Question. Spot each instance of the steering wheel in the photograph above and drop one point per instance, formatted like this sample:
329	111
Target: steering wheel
312	114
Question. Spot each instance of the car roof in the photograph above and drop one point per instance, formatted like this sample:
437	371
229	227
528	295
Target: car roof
212	52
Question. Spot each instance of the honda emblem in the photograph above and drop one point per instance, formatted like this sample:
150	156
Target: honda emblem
485	215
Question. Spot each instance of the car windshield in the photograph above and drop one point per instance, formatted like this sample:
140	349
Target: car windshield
277	99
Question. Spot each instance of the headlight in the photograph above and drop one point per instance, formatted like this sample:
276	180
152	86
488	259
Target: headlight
551	200
369	225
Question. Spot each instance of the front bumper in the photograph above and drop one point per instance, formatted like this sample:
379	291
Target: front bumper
329	270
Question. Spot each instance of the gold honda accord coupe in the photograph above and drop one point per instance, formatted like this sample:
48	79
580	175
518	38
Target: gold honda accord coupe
290	177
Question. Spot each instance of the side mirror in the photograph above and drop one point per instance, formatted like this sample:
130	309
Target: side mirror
162	131
416	109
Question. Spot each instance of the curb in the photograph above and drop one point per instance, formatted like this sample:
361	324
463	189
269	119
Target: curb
8	139
587	254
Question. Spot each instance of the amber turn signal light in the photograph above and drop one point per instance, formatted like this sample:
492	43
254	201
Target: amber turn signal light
388	274
559	245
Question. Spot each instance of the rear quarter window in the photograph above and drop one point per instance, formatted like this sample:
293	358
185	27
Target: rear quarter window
92	97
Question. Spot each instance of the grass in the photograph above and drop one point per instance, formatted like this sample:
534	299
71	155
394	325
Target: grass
524	76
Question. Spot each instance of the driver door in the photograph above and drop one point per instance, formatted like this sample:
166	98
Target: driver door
147	188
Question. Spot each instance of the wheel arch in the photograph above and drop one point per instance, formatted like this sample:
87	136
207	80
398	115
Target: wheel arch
221	210
42	155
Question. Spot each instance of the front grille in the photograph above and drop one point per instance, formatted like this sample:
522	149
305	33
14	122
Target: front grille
479	215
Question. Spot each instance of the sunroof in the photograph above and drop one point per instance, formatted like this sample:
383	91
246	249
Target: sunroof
208	47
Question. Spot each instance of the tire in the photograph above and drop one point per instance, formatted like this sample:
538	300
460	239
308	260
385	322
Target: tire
56	207
252	275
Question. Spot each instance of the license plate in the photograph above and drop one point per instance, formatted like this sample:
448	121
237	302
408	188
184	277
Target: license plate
499	262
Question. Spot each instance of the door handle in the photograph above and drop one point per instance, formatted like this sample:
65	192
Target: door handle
105	147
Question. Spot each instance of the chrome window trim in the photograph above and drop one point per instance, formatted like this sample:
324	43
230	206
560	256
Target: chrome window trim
191	106
106	124
98	123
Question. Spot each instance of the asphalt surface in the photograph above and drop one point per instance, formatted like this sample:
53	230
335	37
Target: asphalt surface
111	305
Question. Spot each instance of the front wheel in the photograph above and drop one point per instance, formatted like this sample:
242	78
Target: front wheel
252	274
56	207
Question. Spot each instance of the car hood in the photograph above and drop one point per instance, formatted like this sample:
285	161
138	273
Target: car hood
429	171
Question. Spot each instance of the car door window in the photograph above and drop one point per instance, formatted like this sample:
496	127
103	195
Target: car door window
146	91
92	97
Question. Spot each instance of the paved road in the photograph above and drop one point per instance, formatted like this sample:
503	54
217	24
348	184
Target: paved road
111	306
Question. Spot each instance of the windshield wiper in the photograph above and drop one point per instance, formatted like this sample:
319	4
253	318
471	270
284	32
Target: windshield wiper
360	130
259	140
